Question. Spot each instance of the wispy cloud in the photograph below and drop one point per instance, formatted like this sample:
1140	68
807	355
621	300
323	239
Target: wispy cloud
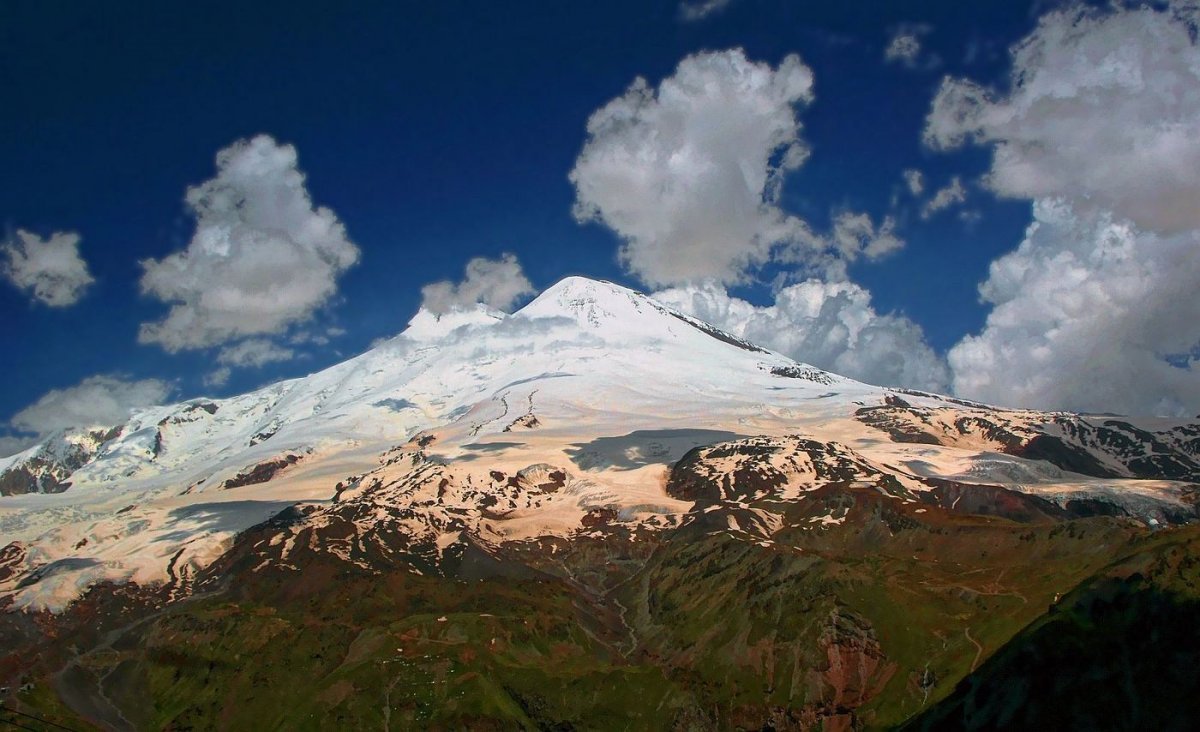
905	47
914	180
701	9
855	235
952	194
97	401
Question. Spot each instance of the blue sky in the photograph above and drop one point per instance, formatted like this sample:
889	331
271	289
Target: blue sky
441	132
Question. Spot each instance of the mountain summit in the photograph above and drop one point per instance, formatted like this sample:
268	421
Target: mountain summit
592	440
604	384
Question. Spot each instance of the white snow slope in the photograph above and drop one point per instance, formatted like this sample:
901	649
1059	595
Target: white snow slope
594	378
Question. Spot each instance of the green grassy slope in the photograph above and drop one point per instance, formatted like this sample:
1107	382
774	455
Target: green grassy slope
861	625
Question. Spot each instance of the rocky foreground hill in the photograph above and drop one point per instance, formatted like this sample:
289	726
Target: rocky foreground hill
600	513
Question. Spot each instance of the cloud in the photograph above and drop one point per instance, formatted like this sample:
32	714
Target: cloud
255	352
497	283
302	337
262	257
904	47
97	401
854	235
953	194
1100	127
701	9
50	269
915	181
831	325
1103	107
1088	314
218	377
688	174
12	445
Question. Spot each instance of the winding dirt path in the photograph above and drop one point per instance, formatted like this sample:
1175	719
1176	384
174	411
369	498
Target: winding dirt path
978	648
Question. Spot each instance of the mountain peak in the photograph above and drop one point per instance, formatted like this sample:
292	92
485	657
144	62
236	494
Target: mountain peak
578	289
578	402
575	297
592	303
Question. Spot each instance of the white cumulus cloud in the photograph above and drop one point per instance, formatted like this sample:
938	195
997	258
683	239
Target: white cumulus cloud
1100	127
831	325
1088	314
262	257
688	174
1103	107
97	401
497	283
51	270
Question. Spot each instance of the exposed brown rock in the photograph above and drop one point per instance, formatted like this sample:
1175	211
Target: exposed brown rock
262	472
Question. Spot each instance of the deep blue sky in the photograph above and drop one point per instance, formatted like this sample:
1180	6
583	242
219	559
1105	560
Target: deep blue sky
438	132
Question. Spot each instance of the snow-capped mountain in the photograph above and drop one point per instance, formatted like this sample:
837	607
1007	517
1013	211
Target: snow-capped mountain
592	409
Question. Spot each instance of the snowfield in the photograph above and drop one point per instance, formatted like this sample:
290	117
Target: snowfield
582	401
